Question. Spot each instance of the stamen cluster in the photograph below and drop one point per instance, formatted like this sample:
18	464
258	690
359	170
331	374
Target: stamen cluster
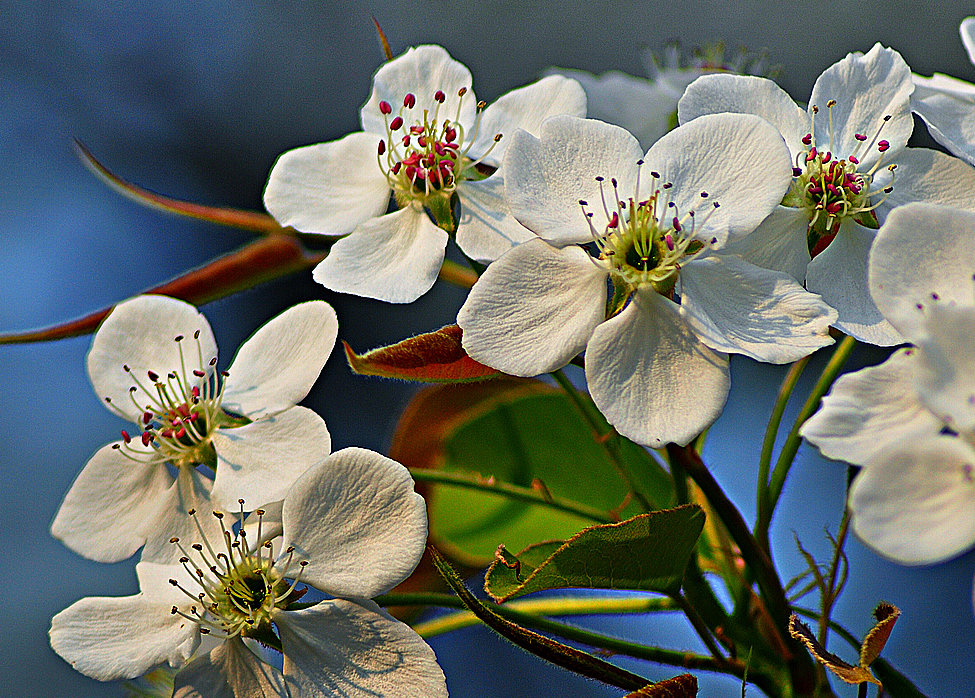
239	589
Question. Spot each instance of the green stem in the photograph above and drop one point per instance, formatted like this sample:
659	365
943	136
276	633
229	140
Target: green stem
791	445
772	430
699	627
829	598
609	440
506	489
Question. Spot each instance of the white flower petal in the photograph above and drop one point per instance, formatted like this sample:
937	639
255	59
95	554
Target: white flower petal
915	501
706	160
121	638
393	258
650	375
867	89
931	177
779	243
339	648
867	410
357	521
486	229
139	333
967	31
946	355
108	511
278	365
746	94
190	491
260	461
328	188
839	275
533	309
736	307
920	250
546	177
526	108
641	106
421	71
947	106
230	670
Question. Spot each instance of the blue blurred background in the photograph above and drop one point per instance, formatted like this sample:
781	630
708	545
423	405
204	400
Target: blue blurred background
196	100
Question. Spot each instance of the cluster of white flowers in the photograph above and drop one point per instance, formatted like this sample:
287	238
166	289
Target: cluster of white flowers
752	227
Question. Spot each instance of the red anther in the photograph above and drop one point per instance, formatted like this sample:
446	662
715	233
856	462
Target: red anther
382	148
395	123
450	134
181	433
446	167
614	220
198	373
153	376
183	410
815	189
669	240
438	147
146	417
193	417
834	207
854	160
422	141
195	391
416	129
167	433
125	437
676	224
854	187
411	171
396	167
882	146
812	155
413	159
440	96
385	108
807	139
146	438
859	136
796	172
406	141
827	156
833	190
409	101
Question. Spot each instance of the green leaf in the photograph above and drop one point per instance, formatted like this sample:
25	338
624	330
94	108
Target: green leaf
648	552
534	440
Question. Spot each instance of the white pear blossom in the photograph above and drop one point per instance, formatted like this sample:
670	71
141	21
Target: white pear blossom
437	145
654	227
947	104
845	149
647	107
154	362
910	422
351	527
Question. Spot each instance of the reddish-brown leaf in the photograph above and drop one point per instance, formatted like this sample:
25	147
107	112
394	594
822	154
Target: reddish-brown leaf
435	357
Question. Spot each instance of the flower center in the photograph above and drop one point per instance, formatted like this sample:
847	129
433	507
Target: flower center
180	411
832	189
425	155
645	240
237	589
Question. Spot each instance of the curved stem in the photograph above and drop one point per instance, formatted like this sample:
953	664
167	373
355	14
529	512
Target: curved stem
506	489
791	445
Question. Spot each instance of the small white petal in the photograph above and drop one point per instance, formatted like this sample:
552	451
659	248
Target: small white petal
121	638
708	156
140	333
230	670
526	108
421	71
967	31
486	229
393	258
867	88
106	512
339	648
915	501
641	106
328	188
279	364
546	177
533	309
737	307
947	106
260	461
946	355
357	521
779	243
922	249
839	275
867	410
650	375
746	94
